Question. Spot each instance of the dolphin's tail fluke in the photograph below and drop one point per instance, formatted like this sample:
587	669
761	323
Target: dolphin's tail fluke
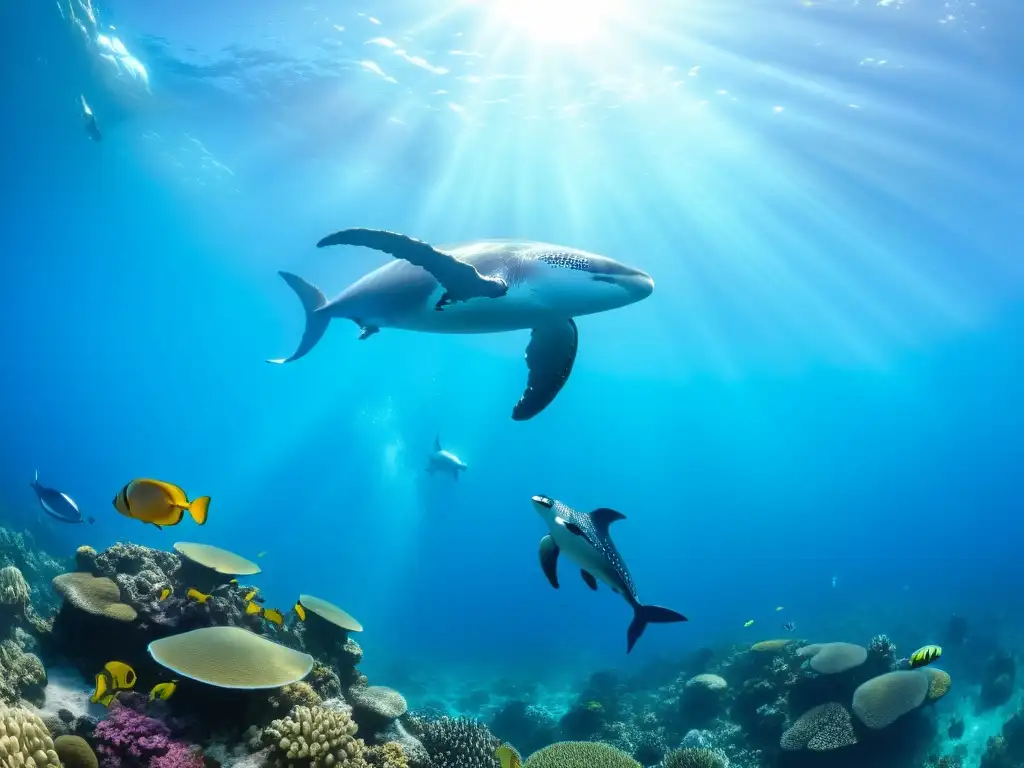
313	300
648	614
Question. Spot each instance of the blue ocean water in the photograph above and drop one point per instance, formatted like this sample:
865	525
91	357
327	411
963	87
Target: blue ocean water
818	408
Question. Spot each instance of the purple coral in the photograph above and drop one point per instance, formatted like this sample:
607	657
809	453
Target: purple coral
130	739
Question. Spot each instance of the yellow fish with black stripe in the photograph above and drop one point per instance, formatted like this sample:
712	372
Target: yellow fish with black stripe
925	655
159	503
116	676
508	757
163	691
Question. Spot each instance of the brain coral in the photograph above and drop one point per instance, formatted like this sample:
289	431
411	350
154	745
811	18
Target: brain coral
833	658
939	684
460	743
581	754
24	741
711	682
385	703
695	757
884	699
823	728
99	596
314	737
75	752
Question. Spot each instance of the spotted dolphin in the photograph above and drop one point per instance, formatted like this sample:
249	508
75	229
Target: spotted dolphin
444	461
58	505
584	538
485	286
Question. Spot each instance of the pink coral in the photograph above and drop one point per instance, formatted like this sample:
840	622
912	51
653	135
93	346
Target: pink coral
130	739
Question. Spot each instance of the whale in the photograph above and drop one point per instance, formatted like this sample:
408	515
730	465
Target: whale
444	461
482	286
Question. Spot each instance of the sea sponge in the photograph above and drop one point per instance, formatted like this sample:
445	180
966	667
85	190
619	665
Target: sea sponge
315	737
24	741
770	646
581	754
938	684
14	589
75	752
460	743
231	657
695	757
96	595
884	699
389	755
833	658
823	728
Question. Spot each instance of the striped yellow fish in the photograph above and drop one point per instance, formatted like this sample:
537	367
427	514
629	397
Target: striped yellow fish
925	655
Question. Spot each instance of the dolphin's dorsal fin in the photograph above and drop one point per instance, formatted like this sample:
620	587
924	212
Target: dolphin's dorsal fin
437	442
603	517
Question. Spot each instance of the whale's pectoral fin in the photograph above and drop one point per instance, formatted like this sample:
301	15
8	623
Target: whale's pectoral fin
549	559
437	442
461	281
313	300
589	579
549	357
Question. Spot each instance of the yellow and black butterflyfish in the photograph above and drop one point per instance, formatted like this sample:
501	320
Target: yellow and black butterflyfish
274	616
103	693
159	503
300	611
195	594
122	676
252	608
250	595
165	593
508	757
163	691
925	656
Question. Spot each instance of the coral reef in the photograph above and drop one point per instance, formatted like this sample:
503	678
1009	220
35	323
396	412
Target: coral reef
24	740
526	727
129	739
459	743
695	757
38	567
998	679
580	754
822	729
75	752
315	737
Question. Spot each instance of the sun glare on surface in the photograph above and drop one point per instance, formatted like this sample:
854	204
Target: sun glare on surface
558	21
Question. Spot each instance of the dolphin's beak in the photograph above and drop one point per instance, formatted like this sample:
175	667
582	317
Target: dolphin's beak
543	503
640	285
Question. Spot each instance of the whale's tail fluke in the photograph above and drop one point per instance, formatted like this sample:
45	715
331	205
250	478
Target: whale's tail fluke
313	300
648	614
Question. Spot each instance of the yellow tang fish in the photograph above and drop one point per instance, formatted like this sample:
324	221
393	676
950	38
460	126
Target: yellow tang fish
300	611
748	623
195	594
163	691
159	503
274	616
249	595
925	656
508	757
165	593
252	608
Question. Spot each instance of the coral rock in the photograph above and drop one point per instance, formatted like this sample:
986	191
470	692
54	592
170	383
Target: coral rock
75	752
821	729
580	754
884	699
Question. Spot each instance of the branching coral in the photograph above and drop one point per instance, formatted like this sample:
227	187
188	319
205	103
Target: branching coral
580	754
130	739
700	757
315	737
460	743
